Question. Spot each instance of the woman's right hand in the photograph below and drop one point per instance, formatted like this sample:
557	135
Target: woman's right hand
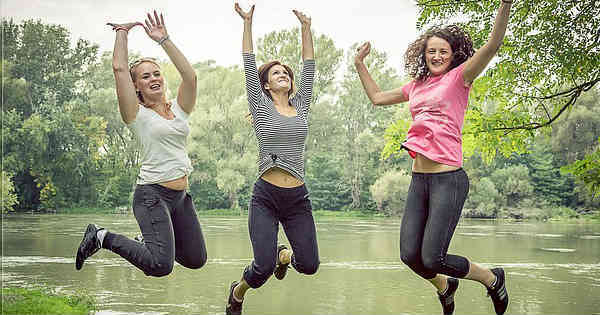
247	16
362	52
125	26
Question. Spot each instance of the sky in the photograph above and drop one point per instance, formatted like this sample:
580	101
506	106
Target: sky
211	29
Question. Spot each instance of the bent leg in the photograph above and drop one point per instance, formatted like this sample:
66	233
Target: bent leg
413	224
299	227
190	248
156	255
448	192
263	227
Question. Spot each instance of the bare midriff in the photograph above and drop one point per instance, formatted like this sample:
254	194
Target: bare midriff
281	178
176	184
425	165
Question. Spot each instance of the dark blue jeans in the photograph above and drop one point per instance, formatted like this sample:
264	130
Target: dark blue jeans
171	231
270	205
433	208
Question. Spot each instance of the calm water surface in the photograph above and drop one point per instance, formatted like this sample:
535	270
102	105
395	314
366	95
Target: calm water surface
551	268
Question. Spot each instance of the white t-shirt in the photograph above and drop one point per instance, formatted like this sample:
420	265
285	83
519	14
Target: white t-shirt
164	157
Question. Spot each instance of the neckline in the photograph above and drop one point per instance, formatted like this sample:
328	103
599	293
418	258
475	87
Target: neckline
282	115
159	115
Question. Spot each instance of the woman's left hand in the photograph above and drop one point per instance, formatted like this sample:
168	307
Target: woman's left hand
155	27
303	18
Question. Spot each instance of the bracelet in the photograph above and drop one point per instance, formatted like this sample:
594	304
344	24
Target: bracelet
120	28
162	40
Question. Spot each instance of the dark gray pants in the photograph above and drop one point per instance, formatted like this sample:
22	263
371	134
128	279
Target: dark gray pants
270	205
171	231
433	208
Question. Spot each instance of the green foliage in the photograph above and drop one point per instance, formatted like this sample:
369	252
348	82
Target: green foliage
390	191
587	170
483	200
547	181
9	198
328	189
513	183
222	146
19	301
43	56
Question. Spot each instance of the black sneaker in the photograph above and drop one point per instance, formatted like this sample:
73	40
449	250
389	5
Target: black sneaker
233	307
447	299
280	269
90	244
498	293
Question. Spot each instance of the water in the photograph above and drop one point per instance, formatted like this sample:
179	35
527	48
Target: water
551	268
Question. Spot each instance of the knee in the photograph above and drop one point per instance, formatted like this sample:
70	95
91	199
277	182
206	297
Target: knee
410	258
197	262
308	269
256	275
160	269
432	263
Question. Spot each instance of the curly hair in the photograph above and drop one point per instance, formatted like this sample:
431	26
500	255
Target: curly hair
460	42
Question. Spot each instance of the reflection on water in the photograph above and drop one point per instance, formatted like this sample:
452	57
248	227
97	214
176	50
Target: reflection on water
551	268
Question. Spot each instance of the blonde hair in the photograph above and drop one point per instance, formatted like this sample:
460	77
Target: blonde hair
133	65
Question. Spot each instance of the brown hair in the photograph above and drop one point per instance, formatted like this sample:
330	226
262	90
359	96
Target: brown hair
133	65
263	75
460	42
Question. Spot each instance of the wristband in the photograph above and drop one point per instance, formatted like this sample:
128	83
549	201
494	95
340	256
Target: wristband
120	28
162	40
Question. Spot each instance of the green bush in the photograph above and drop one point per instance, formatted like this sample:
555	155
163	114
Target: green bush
18	301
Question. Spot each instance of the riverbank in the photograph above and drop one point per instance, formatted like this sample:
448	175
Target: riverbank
559	215
20	301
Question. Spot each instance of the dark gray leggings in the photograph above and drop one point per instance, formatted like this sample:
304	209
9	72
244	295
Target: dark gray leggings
171	231
433	208
270	205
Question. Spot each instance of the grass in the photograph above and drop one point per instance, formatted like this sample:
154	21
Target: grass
18	301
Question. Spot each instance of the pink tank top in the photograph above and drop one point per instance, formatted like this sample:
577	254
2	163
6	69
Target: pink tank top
437	106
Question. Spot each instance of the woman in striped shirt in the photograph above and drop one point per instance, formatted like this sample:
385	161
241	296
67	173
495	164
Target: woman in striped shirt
279	195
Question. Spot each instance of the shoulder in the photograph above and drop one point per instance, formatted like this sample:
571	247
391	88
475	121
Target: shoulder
177	110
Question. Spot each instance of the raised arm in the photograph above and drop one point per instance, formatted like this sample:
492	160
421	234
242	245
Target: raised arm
186	96
247	37
126	96
253	89
476	64
373	91
308	51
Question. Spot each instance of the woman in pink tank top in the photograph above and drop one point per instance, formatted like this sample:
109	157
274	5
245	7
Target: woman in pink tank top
443	64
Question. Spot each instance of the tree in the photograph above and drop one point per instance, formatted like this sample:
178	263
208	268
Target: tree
361	123
390	191
513	184
42	55
9	199
222	137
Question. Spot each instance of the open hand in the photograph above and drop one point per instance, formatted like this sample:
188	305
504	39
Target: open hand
247	16
155	27
303	18
362	51
126	26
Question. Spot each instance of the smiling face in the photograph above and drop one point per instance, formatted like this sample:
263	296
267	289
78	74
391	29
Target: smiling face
438	55
148	80
279	79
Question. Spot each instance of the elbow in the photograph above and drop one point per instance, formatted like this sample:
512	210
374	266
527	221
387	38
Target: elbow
119	68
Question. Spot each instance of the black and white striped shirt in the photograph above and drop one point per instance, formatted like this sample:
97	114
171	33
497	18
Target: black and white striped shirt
281	139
